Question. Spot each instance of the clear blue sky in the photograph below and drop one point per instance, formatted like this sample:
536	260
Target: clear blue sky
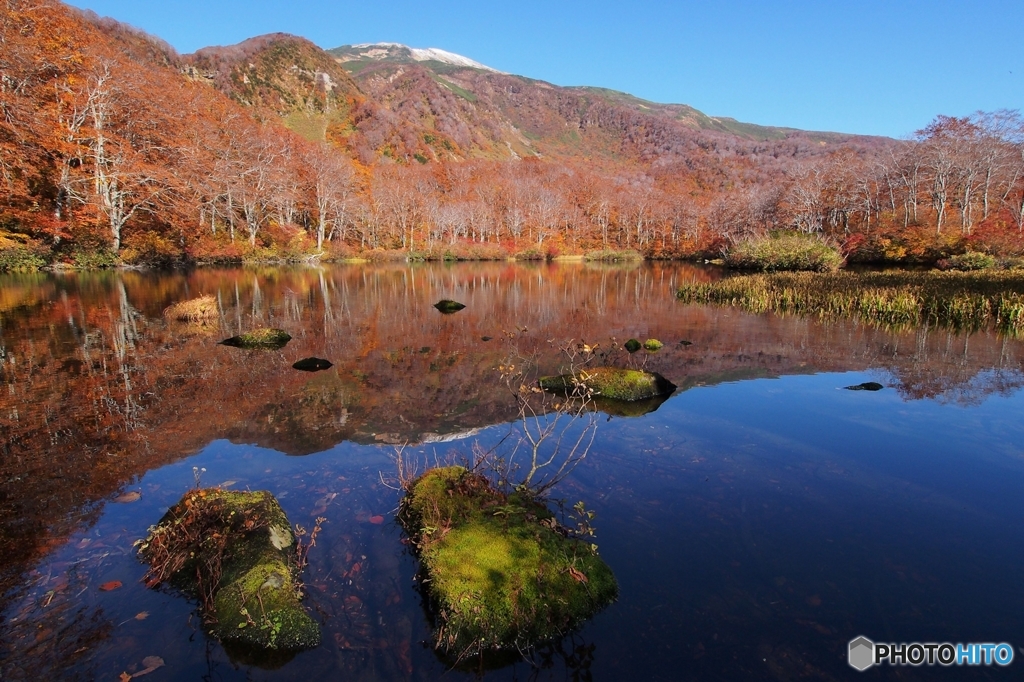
856	66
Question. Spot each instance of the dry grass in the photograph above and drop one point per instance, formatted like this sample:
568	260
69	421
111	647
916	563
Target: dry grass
195	310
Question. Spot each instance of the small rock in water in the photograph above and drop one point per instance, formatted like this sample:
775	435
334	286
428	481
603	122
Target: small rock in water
632	345
272	339
684	342
866	386
486	338
448	307
313	364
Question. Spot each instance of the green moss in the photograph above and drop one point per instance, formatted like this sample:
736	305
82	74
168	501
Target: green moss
501	576
259	338
612	382
632	345
260	607
653	345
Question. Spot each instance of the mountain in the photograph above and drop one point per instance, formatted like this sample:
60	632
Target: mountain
388	100
491	114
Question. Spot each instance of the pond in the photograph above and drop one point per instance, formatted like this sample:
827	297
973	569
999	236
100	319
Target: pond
757	521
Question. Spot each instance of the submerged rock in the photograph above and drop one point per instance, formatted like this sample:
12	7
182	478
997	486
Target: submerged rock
501	572
312	364
448	307
612	382
866	386
235	552
259	338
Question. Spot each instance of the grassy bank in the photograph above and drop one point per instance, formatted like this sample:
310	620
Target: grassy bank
960	300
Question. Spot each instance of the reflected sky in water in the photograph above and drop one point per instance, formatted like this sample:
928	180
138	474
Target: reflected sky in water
756	525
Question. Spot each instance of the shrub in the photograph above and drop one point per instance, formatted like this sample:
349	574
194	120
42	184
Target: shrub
530	254
22	257
785	251
972	260
146	248
98	260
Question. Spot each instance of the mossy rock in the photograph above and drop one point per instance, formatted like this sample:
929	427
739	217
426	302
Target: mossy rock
448	307
245	551
312	364
501	573
632	345
263	338
653	345
611	382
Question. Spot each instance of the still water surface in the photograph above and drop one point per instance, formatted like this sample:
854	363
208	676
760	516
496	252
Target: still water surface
757	521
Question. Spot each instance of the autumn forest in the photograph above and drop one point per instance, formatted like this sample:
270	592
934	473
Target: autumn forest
115	149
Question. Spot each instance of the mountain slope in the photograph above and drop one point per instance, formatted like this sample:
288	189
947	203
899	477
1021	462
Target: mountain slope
490	113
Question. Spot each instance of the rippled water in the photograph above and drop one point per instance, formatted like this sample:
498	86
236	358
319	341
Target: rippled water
757	521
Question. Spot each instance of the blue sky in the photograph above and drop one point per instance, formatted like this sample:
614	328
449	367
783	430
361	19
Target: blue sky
855	66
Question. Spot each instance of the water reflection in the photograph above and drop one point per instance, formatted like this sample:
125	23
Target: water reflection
104	396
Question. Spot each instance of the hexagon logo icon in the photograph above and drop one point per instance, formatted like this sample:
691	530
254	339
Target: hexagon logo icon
862	653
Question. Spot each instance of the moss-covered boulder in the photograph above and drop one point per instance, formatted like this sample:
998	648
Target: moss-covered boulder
448	307
501	573
611	382
653	345
632	345
235	552
262	337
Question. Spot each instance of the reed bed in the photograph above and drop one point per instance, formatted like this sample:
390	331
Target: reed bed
960	300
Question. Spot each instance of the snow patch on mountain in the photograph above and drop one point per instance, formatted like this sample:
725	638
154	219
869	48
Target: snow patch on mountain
383	50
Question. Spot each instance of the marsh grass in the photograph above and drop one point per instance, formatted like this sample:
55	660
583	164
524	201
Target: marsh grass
960	300
194	310
613	256
784	251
